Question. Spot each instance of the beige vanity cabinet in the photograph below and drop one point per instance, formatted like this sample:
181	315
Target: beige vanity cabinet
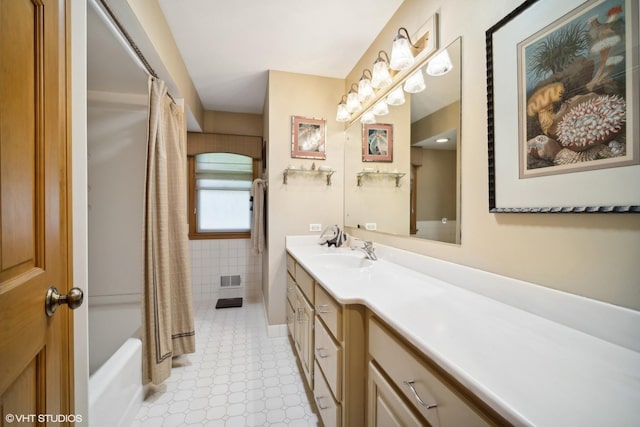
330	342
404	388
300	315
340	361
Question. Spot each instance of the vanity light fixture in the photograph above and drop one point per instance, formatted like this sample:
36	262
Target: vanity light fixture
401	55
381	108
353	103
442	140
342	115
396	97
415	82
365	90
380	77
368	118
440	64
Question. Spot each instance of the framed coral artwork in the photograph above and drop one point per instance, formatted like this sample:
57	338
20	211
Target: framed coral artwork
563	107
308	138
377	142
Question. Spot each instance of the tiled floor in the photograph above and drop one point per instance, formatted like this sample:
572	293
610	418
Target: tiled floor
237	377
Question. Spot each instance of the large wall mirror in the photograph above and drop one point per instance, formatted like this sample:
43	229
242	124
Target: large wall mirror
417	193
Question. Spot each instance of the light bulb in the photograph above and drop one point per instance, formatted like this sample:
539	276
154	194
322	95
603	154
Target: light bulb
368	117
415	82
380	109
342	115
365	91
353	103
440	64
401	56
381	77
396	97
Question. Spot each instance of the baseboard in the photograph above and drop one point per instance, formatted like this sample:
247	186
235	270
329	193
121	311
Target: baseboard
274	331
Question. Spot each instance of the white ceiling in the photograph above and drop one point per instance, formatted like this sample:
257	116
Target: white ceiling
110	66
228	46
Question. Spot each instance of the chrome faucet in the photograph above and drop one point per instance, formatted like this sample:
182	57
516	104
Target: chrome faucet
367	248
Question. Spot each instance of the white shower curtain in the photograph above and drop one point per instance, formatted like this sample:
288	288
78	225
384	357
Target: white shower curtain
168	328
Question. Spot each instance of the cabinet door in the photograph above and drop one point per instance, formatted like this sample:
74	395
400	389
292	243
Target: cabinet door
291	319
303	332
385	407
306	338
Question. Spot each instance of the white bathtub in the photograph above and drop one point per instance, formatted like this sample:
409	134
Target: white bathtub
115	389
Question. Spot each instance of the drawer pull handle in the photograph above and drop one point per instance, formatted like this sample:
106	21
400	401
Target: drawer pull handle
321	353
319	400
322	308
415	394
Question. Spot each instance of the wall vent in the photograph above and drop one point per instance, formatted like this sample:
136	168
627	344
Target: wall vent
230	281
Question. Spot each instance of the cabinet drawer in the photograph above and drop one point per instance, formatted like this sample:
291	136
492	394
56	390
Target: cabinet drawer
385	407
329	358
291	290
291	265
330	312
305	281
330	410
420	385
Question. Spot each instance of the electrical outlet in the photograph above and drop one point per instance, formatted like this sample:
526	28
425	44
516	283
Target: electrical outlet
315	227
371	226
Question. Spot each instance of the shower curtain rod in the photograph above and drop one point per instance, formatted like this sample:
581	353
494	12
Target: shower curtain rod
134	47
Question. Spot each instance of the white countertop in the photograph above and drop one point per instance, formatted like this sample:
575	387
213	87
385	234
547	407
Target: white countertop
531	370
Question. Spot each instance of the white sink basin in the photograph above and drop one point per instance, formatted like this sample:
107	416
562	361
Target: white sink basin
344	260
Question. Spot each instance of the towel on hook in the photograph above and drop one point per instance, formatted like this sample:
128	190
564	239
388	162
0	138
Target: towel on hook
257	221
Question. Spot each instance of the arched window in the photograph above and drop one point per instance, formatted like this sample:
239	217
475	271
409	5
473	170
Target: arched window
220	185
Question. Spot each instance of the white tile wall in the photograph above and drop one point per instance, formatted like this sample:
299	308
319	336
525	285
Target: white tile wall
211	259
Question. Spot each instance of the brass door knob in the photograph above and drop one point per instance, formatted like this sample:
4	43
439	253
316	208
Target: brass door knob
73	299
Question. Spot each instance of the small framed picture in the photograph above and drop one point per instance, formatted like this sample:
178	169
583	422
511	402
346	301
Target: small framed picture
377	142
308	138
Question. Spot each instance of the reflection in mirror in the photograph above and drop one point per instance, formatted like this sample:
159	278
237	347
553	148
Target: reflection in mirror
427	148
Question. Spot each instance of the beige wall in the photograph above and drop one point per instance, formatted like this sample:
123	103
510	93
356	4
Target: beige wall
150	16
444	119
437	185
362	203
437	175
306	199
594	255
233	123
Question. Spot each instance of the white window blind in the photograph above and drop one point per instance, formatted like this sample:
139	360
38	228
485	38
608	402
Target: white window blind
223	184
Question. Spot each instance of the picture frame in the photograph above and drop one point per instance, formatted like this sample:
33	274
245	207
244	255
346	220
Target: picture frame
308	138
563	128
377	142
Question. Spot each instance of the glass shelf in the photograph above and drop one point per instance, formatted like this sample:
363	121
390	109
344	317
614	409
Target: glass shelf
394	175
293	171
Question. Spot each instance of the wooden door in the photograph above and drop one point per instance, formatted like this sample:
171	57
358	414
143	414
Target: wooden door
35	350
